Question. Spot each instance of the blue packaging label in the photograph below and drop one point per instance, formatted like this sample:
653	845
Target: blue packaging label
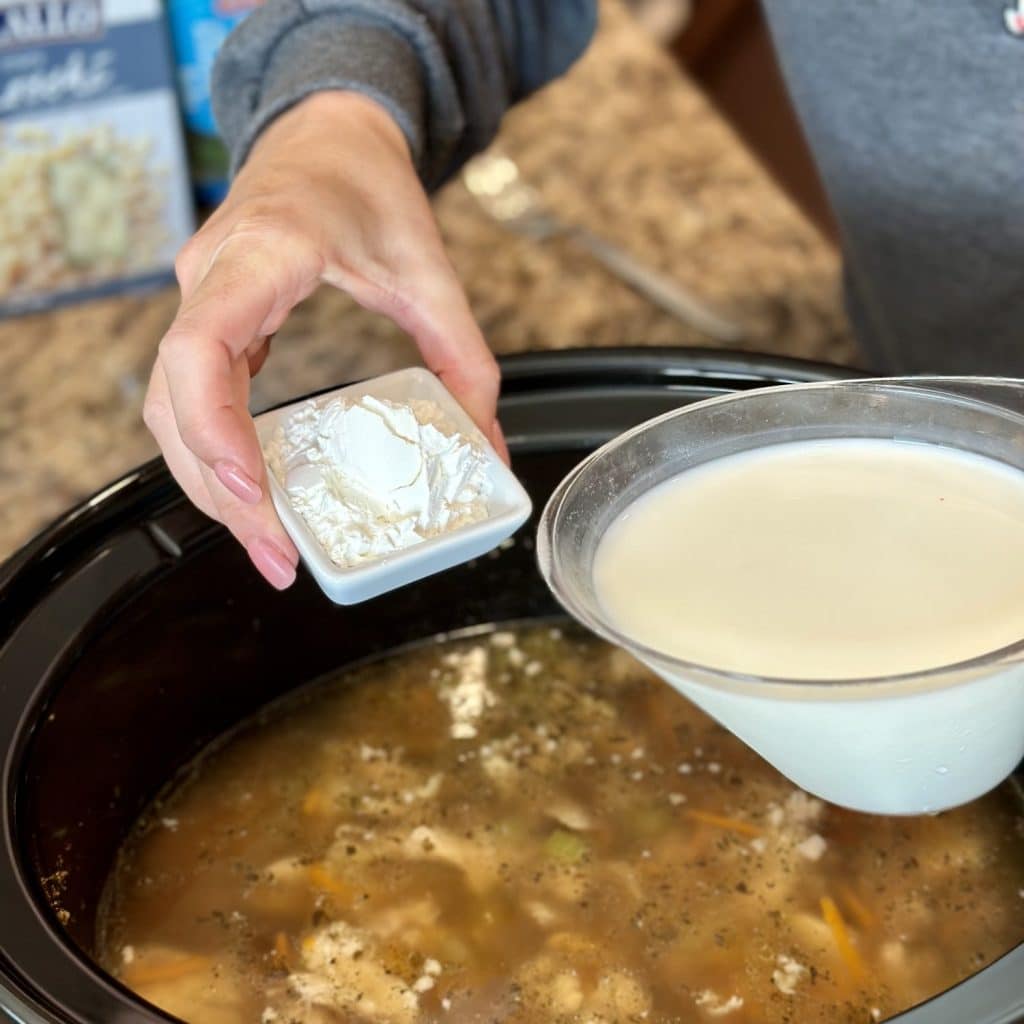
199	28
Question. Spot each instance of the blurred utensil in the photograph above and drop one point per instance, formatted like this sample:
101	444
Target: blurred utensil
495	181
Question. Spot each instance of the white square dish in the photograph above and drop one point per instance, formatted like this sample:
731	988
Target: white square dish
508	505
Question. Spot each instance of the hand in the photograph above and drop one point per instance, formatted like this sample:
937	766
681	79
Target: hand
328	194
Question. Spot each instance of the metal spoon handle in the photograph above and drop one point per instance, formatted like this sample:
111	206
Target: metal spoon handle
661	290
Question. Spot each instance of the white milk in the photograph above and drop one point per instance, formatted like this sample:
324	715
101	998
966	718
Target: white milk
822	560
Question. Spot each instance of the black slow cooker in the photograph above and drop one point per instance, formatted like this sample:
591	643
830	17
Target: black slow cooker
132	632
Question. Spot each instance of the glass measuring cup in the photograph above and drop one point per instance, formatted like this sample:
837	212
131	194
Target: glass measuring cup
908	744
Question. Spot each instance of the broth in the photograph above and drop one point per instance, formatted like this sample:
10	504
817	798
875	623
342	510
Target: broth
530	827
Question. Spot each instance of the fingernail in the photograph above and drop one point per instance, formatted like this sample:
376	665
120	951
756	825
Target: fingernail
238	482
270	561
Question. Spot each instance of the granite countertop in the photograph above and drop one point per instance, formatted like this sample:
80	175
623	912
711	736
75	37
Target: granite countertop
624	145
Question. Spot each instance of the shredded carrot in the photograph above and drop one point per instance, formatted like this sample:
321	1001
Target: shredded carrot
164	969
855	905
847	950
308	943
721	821
326	882
314	802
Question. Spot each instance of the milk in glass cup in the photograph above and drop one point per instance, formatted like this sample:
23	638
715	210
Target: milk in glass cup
865	716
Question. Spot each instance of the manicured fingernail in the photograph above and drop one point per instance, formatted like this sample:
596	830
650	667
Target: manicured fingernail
238	482
270	561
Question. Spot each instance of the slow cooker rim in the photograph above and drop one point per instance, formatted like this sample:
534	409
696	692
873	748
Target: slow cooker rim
668	366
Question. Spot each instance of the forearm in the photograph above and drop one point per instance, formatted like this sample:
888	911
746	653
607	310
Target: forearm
445	70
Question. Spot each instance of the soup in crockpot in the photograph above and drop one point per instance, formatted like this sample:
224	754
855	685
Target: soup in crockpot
530	827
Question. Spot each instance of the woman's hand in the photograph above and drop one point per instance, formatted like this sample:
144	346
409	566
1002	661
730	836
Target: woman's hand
328	194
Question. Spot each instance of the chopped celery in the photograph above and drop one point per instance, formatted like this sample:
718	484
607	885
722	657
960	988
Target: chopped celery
565	846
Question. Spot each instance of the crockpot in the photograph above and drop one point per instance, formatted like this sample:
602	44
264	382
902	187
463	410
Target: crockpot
133	632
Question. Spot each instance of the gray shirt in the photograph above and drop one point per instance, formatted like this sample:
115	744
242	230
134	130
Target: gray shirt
914	112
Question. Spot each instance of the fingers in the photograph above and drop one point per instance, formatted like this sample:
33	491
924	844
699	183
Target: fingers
197	407
497	439
159	417
257	354
255	525
429	303
257	528
454	348
354	216
467	367
212	332
209	349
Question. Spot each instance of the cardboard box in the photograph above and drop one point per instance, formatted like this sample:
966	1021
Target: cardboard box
94	193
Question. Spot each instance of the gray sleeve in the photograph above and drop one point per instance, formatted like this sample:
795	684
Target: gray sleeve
446	70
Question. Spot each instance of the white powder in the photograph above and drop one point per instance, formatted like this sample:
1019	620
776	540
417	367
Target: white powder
371	477
470	696
813	847
717	1006
788	974
802	809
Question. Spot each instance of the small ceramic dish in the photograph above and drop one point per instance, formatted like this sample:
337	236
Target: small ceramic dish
508	503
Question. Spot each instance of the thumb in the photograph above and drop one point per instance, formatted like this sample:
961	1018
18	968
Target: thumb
453	347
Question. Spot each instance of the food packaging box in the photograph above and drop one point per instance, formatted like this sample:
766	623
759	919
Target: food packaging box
198	28
94	193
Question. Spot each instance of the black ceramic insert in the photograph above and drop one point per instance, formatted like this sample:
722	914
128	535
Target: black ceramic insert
133	632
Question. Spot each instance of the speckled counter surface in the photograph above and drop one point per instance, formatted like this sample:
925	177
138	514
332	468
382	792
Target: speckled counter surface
623	145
